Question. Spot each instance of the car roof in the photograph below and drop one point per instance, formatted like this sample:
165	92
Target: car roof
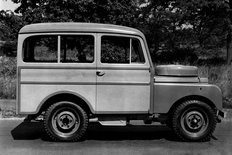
78	27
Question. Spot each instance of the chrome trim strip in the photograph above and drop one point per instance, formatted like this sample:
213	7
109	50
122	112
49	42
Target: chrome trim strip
123	83
84	83
176	82
86	67
121	112
56	67
123	68
57	83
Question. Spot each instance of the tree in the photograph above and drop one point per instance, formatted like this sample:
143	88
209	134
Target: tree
199	24
164	22
229	32
119	12
10	24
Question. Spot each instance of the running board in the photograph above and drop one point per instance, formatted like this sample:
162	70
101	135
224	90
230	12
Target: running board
113	123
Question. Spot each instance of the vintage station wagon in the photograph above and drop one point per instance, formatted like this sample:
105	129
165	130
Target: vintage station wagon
71	73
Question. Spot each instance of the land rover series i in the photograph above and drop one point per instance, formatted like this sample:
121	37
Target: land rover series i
72	73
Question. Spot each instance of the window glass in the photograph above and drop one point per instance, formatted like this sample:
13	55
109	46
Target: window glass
115	49
125	50
40	49
137	52
77	49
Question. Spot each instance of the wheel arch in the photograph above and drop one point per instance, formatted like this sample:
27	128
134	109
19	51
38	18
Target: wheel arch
192	97
65	96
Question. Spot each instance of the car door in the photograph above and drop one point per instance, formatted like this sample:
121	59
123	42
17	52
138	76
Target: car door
123	75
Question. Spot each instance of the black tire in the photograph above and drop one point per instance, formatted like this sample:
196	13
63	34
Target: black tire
194	120
65	121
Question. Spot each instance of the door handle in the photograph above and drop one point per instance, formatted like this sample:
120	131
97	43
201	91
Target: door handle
100	73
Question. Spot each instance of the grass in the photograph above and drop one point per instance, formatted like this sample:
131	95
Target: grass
8	108
7	78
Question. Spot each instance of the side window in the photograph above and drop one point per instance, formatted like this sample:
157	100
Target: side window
77	49
124	50
115	49
137	52
40	49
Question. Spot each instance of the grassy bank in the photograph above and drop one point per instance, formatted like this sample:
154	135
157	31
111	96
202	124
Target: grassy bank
7	78
220	75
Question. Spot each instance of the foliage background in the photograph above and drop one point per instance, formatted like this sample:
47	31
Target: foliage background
190	32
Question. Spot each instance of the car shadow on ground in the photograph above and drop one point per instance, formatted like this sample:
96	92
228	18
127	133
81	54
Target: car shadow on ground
35	130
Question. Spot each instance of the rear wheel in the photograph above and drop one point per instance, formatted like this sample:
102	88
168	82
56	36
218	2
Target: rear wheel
65	121
194	120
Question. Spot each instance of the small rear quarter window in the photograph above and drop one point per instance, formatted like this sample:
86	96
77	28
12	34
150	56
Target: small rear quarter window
40	49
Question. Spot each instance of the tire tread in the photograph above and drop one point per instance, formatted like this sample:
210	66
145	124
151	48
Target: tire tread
77	137
177	130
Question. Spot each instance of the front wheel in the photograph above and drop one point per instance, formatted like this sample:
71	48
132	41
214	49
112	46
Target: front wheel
65	121
194	120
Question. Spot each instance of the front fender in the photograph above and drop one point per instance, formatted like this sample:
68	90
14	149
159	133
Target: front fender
166	94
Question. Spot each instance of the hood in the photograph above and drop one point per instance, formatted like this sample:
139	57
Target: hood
176	70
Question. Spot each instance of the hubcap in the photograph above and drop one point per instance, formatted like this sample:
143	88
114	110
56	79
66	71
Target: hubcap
65	122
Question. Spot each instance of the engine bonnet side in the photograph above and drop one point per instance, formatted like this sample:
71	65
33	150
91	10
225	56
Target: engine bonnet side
166	94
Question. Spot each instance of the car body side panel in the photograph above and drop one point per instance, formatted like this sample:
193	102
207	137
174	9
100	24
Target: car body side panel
37	93
36	84
166	94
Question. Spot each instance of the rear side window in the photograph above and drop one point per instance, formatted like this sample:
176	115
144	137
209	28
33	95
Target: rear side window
122	50
77	49
40	49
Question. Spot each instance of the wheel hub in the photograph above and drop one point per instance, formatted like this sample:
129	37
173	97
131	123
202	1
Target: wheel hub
194	120
66	120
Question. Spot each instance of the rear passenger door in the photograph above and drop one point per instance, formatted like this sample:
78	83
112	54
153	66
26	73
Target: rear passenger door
123	76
